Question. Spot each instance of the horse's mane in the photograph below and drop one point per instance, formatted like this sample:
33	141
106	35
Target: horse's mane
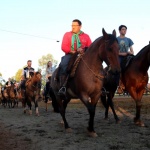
97	43
142	50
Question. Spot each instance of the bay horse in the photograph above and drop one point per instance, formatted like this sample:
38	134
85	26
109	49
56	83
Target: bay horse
9	96
88	79
135	79
32	92
1	96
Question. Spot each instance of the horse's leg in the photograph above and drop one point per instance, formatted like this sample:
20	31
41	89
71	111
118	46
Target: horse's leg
46	100
91	109
137	98
54	102
30	106
24	105
36	106
90	103
137	120
104	102
62	108
111	104
9	103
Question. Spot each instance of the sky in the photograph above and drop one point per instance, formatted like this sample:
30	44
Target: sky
30	29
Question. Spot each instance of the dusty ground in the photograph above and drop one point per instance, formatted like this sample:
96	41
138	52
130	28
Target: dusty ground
20	131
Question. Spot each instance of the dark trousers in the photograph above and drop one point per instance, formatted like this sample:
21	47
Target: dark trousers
64	64
22	84
47	88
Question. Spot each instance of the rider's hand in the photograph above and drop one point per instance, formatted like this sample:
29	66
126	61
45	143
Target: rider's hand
129	53
72	52
80	50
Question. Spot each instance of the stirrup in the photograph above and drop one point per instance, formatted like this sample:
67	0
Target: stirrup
62	91
104	92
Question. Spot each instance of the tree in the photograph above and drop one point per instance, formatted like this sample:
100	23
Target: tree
0	74
45	58
18	75
42	65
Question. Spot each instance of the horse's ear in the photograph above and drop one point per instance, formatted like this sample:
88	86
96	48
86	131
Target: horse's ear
114	32
104	33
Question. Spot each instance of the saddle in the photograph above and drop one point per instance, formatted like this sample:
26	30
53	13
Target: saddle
73	67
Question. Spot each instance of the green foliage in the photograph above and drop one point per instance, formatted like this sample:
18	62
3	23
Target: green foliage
45	58
18	75
0	74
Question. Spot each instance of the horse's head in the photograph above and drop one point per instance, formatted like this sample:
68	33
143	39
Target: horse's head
109	51
37	75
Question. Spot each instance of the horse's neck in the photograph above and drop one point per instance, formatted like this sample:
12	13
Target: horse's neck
141	60
33	82
92	61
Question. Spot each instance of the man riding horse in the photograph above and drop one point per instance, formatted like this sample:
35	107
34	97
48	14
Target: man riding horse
73	41
27	73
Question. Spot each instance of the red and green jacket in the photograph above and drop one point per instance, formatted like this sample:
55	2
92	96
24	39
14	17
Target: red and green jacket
67	41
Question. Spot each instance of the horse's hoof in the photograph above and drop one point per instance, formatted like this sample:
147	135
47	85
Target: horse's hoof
30	112
92	134
37	114
106	118
118	121
62	122
139	123
69	130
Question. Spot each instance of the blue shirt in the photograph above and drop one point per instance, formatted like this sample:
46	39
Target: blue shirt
124	44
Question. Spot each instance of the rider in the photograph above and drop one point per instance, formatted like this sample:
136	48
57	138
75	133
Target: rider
7	84
73	41
26	74
125	45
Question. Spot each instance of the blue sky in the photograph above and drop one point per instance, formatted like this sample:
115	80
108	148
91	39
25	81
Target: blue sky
51	19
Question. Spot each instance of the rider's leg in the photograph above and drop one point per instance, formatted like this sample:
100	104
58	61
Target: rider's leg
63	78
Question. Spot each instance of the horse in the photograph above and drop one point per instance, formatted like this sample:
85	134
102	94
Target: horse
108	91
1	96
9	96
49	96
135	79
32	92
88	79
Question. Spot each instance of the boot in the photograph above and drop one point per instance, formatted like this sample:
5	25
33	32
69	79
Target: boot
63	82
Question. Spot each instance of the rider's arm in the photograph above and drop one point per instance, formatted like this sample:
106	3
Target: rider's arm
131	51
66	43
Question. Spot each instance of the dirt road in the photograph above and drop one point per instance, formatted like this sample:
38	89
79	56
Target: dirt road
20	131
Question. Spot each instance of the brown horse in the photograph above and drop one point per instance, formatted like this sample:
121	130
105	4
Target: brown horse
32	92
135	79
9	96
1	96
88	79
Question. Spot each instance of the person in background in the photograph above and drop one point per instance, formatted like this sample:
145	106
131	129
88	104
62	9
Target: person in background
49	70
8	83
73	41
